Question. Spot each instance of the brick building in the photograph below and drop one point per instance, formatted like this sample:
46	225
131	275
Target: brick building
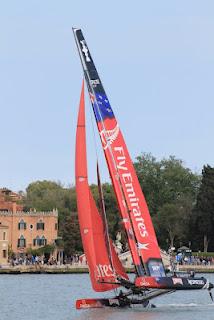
25	230
9	200
30	229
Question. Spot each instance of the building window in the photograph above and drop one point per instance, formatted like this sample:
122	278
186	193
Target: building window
40	225
56	226
21	242
39	241
4	235
43	241
36	241
22	225
4	253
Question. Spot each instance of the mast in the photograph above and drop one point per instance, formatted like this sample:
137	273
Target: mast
134	211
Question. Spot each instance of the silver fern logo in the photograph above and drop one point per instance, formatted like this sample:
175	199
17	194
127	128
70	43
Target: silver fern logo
109	136
85	50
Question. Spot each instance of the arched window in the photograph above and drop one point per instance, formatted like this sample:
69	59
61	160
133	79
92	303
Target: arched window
21	242
40	225
40	241
43	241
22	225
36	241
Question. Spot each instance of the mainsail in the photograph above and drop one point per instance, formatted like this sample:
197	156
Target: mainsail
103	272
134	211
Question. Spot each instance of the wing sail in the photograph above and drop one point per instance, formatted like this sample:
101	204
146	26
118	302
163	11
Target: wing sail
135	214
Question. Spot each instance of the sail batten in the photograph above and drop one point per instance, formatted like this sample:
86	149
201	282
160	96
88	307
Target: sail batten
134	211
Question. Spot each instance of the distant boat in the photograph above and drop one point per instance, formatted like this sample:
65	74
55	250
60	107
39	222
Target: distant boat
106	270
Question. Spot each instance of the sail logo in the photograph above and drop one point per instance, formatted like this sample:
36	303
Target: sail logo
144	283
195	282
177	281
143	246
114	302
133	200
85	50
109	136
104	270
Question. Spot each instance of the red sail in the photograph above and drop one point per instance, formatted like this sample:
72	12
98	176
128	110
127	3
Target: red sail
91	223
123	173
137	221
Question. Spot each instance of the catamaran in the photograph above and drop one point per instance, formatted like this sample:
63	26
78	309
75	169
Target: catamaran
105	268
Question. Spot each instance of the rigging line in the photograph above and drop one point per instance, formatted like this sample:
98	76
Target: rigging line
90	88
100	188
101	191
104	217
103	209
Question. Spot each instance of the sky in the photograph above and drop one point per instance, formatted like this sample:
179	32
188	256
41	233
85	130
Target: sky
156	62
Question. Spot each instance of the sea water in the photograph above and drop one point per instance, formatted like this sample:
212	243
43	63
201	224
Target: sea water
52	297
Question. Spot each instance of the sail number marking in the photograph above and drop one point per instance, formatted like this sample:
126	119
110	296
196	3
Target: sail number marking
104	270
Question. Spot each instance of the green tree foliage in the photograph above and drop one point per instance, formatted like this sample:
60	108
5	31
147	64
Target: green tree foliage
46	250
203	213
170	190
47	195
71	234
172	222
164	181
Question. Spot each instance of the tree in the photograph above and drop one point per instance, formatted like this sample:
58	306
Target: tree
165	181
71	234
43	195
170	190
172	222
203	213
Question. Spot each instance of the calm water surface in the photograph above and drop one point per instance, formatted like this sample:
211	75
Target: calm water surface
52	297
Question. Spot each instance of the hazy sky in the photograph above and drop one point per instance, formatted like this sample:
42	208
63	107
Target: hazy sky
156	61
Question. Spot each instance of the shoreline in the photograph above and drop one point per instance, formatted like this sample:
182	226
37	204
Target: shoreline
78	269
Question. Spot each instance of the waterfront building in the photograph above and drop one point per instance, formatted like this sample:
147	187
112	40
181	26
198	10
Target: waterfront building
30	229
25	230
3	245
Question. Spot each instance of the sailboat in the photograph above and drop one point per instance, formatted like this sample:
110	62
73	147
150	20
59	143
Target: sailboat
105	268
